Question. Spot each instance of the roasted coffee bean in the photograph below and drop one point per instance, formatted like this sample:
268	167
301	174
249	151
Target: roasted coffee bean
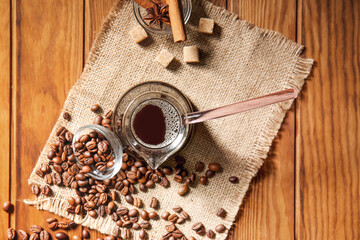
97	120
78	209
119	223
35	228
191	238
77	238
180	160
177	208
11	234
165	215
152	215
129	199
93	214
197	226
86	169
153	202
127	224
111	206
180	220
101	211
164	182
61	236
95	108
51	154
35	190
71	201
167	236
127	234
44	167
122	211
220	228
85	234
233	179
209	174
173	218
178	178
221	213
39	173
66	116
109	114
48	179
34	236
145	224
184	215
22	235
63	225
170	227
51	220
203	180
7	206
144	214
124	191
199	166
183	189
133	212
210	234
167	170
135	226
214	167
137	202
201	231
44	235
45	190
72	224
53	226
142	234
115	216
149	184
142	187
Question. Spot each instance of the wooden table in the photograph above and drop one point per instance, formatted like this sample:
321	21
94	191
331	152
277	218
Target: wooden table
308	187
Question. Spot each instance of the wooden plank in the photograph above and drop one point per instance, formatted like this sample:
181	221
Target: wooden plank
267	211
328	120
5	110
95	12
47	60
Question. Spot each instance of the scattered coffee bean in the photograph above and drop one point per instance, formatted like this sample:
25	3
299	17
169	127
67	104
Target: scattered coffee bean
177	234
127	234
203	180
71	201
209	174
22	235
142	234
184	215
221	213
85	234
152	215
95	108
214	167
44	235
199	166
53	226
7	207
34	236
183	189
233	179
173	218
93	213
129	199
197	226
177	208
164	182
144	214
167	170
180	220
153	202
61	236
46	190
133	212
137	202
11	234
220	228
210	234
165	215
35	228
35	190
98	120
66	116
170	227
145	224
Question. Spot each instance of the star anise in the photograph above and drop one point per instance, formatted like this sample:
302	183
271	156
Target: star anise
158	14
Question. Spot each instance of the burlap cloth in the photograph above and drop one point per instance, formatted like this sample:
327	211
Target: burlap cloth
239	61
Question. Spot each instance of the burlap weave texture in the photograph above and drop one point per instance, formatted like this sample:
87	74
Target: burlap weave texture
239	61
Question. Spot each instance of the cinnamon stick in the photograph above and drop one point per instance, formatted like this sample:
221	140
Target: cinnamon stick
176	20
145	3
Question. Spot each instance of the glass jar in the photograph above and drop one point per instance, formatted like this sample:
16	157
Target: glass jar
114	143
140	12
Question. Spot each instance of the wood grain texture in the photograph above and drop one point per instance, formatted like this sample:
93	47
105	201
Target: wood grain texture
95	12
5	83
47	60
328	120
268	209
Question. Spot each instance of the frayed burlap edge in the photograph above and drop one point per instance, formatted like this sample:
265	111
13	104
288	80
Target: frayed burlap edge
58	204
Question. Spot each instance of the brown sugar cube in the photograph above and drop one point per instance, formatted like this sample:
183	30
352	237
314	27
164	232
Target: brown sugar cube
164	58
206	25
191	54
138	34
